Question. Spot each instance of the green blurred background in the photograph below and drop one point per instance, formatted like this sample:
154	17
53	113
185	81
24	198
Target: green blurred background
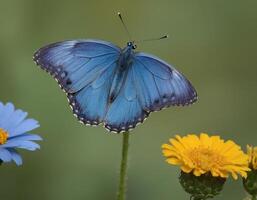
214	43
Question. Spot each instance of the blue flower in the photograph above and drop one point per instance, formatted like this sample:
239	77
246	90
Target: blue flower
14	133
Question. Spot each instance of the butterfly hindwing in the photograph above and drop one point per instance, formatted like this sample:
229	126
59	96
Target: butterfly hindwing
90	104
126	111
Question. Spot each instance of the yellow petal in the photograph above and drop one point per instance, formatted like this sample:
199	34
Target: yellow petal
166	146
186	168
173	161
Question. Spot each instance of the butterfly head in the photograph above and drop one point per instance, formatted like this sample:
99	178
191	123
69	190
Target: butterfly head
132	45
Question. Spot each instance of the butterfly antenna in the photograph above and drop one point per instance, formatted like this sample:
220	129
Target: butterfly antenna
152	39
124	25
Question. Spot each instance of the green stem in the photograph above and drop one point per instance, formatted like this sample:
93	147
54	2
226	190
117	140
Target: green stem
123	167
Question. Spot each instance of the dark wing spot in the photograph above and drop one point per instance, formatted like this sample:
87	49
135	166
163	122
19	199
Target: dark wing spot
156	101
68	82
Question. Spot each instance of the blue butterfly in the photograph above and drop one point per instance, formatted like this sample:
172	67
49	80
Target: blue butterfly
114	86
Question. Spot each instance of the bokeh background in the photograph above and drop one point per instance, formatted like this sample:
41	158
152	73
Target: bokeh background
214	43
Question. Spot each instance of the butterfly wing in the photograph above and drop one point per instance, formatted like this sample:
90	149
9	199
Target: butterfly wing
161	85
76	63
126	110
84	70
151	84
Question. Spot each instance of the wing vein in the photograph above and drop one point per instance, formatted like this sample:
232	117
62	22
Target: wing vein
147	68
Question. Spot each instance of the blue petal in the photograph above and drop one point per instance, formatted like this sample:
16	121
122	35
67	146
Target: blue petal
6	113
16	157
5	155
26	136
1	106
25	126
16	143
14	120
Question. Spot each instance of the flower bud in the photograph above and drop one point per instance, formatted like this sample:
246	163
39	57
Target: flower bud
250	183
201	187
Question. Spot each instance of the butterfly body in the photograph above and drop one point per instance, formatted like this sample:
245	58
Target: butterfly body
124	62
114	86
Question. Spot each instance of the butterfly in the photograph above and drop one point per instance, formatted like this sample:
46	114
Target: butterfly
116	87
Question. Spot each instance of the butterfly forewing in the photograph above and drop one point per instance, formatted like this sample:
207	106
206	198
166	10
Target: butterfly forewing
161	85
74	62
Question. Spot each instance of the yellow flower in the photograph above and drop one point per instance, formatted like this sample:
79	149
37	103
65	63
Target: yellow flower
252	153
206	154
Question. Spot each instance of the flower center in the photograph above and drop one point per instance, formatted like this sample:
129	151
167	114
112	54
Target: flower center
3	136
206	159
